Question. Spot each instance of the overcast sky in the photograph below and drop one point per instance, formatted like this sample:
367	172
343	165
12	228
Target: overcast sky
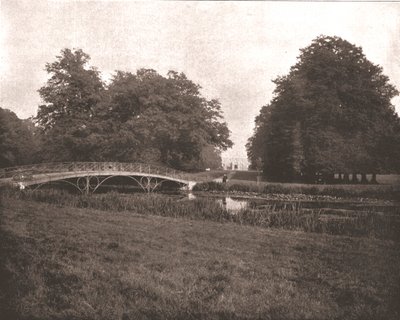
232	49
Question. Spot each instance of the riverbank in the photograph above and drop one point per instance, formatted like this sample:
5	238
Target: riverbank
337	218
294	197
381	192
68	263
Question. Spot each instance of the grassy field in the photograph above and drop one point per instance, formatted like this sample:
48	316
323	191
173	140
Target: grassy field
68	263
245	175
246	181
208	175
388	179
393	179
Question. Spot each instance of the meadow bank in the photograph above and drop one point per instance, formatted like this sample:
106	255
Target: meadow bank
382	191
364	220
63	262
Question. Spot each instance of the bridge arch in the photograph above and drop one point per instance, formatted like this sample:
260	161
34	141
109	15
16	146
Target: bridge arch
148	177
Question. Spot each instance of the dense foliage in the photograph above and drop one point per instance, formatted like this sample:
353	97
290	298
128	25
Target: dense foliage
18	144
331	114
137	117
71	95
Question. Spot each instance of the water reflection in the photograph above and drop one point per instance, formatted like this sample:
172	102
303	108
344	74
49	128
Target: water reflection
232	204
191	196
236	204
227	202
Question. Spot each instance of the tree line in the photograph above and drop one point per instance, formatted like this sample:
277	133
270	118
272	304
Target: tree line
332	114
140	116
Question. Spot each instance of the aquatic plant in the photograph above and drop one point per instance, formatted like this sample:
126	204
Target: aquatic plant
291	216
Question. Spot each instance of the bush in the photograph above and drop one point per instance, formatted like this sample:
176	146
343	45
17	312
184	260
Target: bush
276	188
241	188
209	186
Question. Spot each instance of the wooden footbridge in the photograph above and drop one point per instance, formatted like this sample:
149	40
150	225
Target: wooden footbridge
89	176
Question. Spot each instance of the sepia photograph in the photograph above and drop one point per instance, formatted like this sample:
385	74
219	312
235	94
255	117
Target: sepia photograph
233	160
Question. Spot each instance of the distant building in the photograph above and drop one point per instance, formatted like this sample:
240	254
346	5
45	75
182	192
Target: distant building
235	163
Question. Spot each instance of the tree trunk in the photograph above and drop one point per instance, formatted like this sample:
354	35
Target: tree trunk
298	157
346	178
373	179
364	179
354	178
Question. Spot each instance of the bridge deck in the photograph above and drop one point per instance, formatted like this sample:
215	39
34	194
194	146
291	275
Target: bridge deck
43	173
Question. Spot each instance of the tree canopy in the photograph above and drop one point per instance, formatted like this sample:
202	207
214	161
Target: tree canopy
70	97
17	142
332	114
164	115
140	116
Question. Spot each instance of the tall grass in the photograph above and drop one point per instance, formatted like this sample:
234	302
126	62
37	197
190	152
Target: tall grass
66	263
368	224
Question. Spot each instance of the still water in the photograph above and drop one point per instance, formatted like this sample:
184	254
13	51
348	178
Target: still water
234	204
227	202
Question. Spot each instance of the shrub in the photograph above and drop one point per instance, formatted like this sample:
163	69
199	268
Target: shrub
209	186
240	187
275	188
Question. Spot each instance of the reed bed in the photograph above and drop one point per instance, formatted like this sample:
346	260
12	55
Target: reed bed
294	217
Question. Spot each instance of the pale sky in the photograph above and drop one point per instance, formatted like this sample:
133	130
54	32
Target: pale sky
232	49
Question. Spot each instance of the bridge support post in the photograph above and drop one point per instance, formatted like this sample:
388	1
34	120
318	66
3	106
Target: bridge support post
83	184
87	188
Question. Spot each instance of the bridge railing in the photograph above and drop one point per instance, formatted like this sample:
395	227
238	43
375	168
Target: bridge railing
46	168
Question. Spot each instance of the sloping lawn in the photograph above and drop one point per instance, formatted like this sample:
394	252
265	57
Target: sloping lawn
65	263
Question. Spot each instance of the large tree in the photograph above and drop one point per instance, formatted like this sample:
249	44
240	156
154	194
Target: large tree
331	114
256	144
140	116
163	119
70	98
